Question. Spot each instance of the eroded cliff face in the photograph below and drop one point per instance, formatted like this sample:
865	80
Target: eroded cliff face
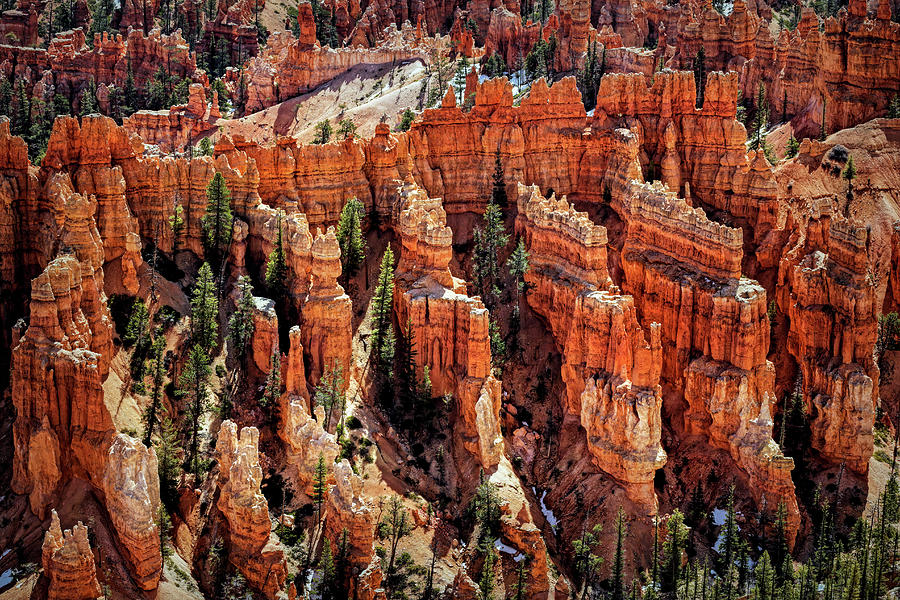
69	563
451	328
846	66
610	368
828	294
253	550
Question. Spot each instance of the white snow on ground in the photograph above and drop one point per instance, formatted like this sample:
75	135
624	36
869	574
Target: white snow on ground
719	515
548	514
6	578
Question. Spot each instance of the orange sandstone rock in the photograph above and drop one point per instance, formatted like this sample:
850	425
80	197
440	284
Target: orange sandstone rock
69	563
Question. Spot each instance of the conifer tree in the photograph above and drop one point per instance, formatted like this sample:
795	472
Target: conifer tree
272	389
21	117
326	564
518	265
217	222
521	588
489	239
153	409
350	239
6	94
498	190
320	485
761	121
486	580
276	266
395	525
240	325
406	384
329	394
168	454
205	310
587	559
849	173
700	75
176	224
765	578
383	332
618	570
193	384
673	548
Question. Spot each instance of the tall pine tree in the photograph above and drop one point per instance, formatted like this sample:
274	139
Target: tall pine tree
217	222
350	239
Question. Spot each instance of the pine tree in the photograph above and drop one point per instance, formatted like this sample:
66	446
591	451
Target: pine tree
320	485
518	265
498	190
587	561
21	117
153	409
217	222
176	224
240	326
700	75
793	147
761	121
101	16
521	588
395	525
486	580
276	265
849	173
350	239
405	381
6	94
673	548
618	571
272	389
329	394
490	238
323	132
193	383
765	578
383	333
326	565
205	310
168	455
130	92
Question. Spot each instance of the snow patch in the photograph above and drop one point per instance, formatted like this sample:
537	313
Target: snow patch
6	578
548	514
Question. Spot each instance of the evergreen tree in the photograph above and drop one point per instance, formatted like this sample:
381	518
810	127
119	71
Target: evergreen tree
350	239
240	326
761	121
21	117
168	458
276	265
518	265
193	384
101	16
498	190
486	580
520	590
406	383
217	222
205	310
395	525
176	224
849	173
326	565
6	94
700	75
894	107
587	559
89	100
130	92
329	394
346	128
673	549
618	570
383	332
323	132
153	409
320	485
490	238
765	578
793	147
272	389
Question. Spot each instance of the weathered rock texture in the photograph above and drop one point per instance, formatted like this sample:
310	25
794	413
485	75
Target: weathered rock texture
681	144
69	563
825	289
852	65
610	367
450	328
253	550
180	126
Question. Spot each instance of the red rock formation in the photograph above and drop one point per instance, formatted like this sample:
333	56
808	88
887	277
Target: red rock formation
22	25
685	273
69	563
253	550
180	126
451	329
610	369
851	66
825	290
325	325
288	67
703	147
